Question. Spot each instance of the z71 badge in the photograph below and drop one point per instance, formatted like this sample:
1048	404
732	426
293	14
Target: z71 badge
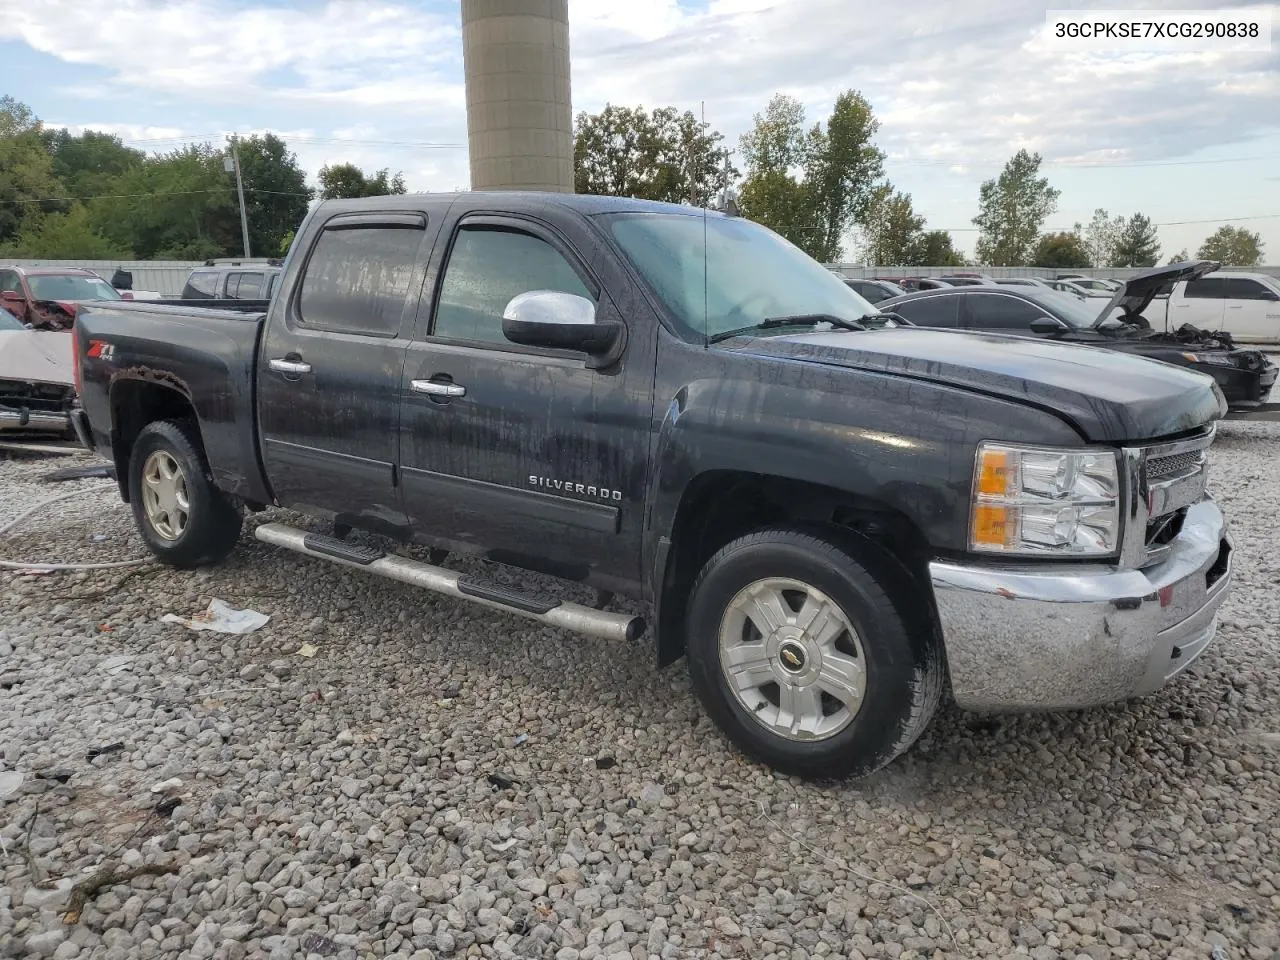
568	486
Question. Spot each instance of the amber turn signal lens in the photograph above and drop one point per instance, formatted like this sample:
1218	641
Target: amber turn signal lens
994	526
995	473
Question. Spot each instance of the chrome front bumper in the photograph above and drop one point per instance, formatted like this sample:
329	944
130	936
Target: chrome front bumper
1051	638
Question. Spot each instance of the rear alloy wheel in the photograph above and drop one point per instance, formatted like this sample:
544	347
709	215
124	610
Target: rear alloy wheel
184	519
164	495
811	653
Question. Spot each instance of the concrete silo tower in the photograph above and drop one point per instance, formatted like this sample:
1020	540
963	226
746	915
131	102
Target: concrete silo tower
519	113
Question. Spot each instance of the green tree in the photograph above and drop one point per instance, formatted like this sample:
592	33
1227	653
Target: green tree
842	167
892	232
935	249
346	180
1180	257
176	206
1060	251
1011	210
63	236
812	186
1138	244
275	190
90	163
1232	247
772	194
1101	238
665	155
26	169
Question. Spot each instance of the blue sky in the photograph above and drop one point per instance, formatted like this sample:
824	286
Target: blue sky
1180	137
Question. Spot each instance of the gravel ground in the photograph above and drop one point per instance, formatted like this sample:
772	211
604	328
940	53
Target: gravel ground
444	781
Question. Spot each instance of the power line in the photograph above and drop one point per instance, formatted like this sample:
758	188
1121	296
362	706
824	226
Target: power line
165	193
1079	164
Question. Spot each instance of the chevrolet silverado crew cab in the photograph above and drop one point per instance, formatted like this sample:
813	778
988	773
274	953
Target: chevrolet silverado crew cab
833	517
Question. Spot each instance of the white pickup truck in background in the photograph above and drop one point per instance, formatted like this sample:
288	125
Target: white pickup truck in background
1244	305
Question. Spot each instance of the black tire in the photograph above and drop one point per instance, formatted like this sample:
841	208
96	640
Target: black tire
903	666
213	521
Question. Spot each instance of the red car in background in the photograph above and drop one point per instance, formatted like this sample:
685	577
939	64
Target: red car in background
48	298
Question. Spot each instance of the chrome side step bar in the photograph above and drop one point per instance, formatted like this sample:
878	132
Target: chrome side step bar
553	612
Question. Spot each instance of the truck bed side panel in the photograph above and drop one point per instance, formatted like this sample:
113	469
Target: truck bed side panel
207	356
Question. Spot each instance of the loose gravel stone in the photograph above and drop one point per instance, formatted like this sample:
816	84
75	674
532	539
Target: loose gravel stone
377	799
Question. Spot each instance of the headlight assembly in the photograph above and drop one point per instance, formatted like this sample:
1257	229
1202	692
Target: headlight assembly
1041	502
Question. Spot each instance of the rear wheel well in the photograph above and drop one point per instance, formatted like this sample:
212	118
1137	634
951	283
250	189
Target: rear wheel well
721	506
134	404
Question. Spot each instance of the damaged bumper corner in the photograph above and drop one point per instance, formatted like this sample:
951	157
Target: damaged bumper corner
1028	637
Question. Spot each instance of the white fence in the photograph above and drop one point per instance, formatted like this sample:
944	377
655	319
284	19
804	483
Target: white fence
167	277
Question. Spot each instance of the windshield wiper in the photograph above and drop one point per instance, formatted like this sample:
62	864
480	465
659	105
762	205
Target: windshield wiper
798	320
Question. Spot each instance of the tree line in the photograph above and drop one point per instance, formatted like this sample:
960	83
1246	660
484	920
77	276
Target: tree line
821	185
89	196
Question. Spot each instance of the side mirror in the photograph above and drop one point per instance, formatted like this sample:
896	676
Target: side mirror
564	321
1048	325
13	296
1270	295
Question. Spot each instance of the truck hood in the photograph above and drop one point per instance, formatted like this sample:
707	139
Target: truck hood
1140	289
1108	396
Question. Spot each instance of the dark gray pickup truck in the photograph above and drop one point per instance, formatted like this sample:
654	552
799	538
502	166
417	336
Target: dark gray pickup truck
832	516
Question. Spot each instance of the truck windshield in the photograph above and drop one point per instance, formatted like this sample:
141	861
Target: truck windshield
718	274
53	286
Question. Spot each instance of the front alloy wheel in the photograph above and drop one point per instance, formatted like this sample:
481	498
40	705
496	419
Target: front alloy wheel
793	660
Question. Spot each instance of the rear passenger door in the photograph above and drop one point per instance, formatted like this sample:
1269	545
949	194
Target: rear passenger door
999	313
1252	311
521	454
330	365
1201	304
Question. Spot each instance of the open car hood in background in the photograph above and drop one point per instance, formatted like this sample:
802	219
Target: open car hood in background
1138	292
36	356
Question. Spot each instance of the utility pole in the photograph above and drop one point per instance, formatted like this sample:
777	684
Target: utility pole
233	163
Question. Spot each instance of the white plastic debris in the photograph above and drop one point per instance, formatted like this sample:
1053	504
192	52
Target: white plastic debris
10	782
115	664
221	618
308	651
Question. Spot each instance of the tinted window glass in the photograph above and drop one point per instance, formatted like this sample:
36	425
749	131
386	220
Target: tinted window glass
871	292
357	280
248	286
487	269
1242	288
57	286
929	311
201	286
9	281
1210	288
988	312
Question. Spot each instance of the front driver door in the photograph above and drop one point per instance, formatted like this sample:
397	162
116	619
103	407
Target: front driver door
330	365
523	455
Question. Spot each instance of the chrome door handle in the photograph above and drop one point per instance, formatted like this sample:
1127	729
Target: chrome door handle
435	389
295	367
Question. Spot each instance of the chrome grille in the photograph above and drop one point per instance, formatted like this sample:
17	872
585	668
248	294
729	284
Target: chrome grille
1164	479
1158	468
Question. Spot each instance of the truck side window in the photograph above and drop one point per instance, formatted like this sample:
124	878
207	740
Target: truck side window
201	285
1208	288
357	280
9	281
1242	288
931	311
487	268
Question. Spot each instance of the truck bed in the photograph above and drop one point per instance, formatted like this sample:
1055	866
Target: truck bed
206	354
